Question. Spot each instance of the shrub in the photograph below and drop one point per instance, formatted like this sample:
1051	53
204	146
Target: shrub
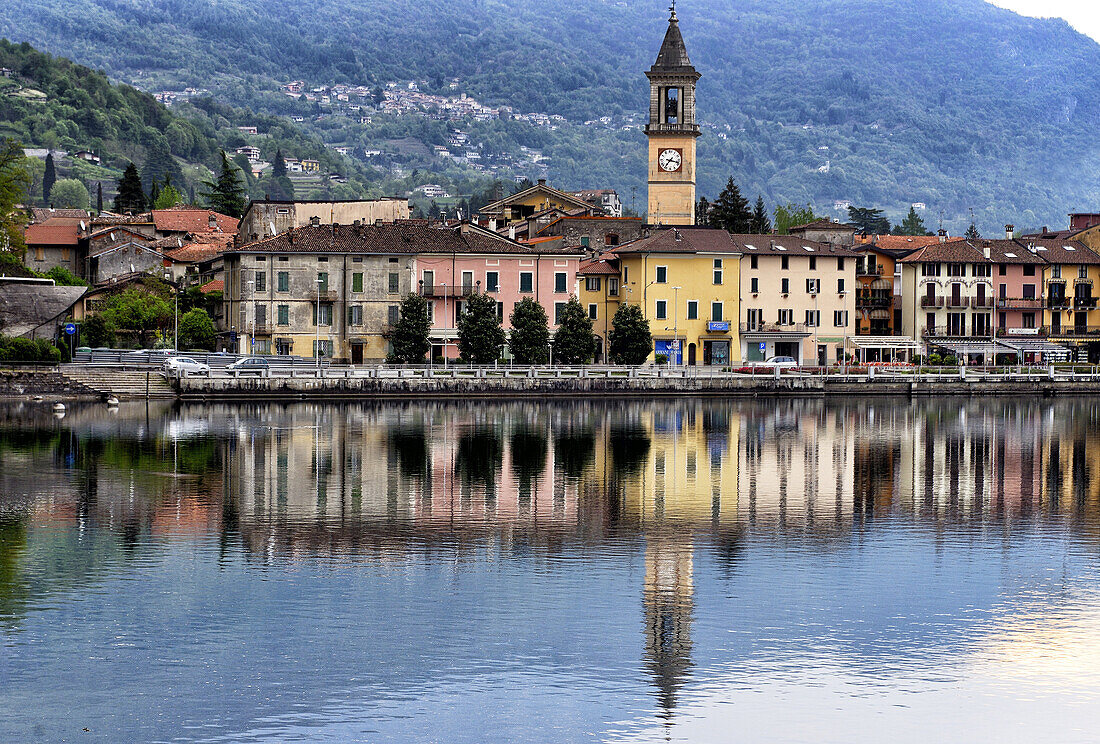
935	359
26	350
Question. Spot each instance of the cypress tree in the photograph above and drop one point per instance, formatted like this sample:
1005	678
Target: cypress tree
131	197
278	170
49	178
99	198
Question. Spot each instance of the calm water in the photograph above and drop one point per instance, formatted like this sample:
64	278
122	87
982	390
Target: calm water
792	571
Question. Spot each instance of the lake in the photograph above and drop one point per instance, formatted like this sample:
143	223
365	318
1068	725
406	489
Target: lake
611	571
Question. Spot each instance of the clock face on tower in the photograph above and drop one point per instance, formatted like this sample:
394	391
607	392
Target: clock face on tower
670	160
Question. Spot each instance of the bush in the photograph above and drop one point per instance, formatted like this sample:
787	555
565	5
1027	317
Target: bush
661	358
950	360
918	359
935	359
26	350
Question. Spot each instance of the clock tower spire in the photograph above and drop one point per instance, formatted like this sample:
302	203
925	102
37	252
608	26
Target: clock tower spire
672	131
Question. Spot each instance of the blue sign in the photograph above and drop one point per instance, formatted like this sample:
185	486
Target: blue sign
719	326
763	348
70	329
671	350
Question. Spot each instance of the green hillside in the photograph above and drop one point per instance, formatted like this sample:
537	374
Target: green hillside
954	103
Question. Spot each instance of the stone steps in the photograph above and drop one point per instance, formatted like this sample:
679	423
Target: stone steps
123	384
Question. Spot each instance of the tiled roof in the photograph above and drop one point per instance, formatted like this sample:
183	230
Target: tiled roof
520	196
199	250
788	245
52	234
823	224
682	240
1062	251
1007	252
898	242
189	219
218	285
39	214
598	267
107	219
1000	252
394	238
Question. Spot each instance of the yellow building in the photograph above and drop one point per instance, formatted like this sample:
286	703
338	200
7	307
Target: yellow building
1071	317
530	202
687	282
672	132
599	293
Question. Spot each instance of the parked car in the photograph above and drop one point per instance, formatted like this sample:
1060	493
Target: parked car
176	366
781	361
250	366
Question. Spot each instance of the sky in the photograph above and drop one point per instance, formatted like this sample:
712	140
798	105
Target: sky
1083	15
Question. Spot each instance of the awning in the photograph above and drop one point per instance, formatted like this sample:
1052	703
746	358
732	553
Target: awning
962	346
882	284
884	342
879	315
1033	346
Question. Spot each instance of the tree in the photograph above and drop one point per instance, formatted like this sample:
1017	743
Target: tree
972	232
14	181
433	212
731	211
197	331
131	196
479	333
226	195
49	179
761	225
62	277
135	310
789	215
629	341
99	198
530	337
96	332
702	212
409	342
911	225
869	221
278	169
574	342
168	197
69	193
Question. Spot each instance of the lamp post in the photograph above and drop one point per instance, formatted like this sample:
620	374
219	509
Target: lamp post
550	346
252	312
445	321
317	343
676	351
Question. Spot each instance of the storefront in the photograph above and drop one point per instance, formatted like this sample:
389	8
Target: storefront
672	349
882	349
761	345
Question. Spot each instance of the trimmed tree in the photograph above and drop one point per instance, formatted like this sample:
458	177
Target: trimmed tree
409	342
197	330
574	342
629	341
479	333
972	232
69	193
99	198
226	195
530	337
131	196
49	178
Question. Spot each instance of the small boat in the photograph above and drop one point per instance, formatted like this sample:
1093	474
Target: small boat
59	408
112	402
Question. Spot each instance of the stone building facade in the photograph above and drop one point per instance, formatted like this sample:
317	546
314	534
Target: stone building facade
262	216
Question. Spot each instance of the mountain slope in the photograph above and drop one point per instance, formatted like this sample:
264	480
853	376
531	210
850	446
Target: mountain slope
955	103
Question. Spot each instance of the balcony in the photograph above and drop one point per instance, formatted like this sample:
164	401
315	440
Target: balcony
1084	303
1073	331
776	328
957	302
325	295
1019	303
261	329
874	301
927	301
869	270
981	302
1022	332
1058	303
949	332
443	290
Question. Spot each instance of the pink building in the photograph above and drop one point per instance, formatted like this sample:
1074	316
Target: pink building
507	270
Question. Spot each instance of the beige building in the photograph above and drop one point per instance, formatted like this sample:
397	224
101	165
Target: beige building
266	218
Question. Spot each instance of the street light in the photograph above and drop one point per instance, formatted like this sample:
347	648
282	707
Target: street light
675	325
444	325
252	311
317	343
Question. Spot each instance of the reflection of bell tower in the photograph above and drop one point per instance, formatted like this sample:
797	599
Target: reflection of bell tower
672	131
668	601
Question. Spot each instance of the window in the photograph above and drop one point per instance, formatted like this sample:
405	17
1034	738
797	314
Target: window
559	308
261	281
754	285
840	264
592	283
716	311
1056	271
357	282
593	311
322	281
956	269
429	280
584	242
1028	320
693	310
322	349
672	106
786	317
560	280
752	262
717	271
662	310
526	282
395	282
756	318
492	281
467	281
1029	270
283	315
1029	291
259	315
500	311
929	269
284	281
785	286
1002	270
662	274
982	269
394	259
393	314
355	315
626	274
284	259
840	318
322	259
813	286
358	259
784	262
812	318
1082	272
611	239
840	286
813	263
322	314
613	286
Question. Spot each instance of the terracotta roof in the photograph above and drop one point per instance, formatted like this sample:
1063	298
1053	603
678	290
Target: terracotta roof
682	240
953	251
392	238
897	242
107	219
39	214
198	251
789	245
1056	235
191	220
218	285
1058	251
560	195
598	267
1007	252
52	234
823	224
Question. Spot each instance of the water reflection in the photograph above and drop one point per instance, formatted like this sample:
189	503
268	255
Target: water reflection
653	489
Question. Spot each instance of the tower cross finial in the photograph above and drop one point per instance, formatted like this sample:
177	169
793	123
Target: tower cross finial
672	9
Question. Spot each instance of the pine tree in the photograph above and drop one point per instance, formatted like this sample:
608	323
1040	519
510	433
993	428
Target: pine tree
731	211
972	232
529	340
226	195
702	212
761	225
131	197
574	342
49	178
912	224
630	341
154	194
278	170
99	198
480	336
869	221
409	342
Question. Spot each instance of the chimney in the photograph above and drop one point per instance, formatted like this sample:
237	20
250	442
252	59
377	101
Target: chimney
512	232
1009	229
493	224
985	250
213	221
315	221
1045	231
357	223
542	182
943	235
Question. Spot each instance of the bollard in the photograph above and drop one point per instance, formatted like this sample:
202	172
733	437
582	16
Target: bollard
870	373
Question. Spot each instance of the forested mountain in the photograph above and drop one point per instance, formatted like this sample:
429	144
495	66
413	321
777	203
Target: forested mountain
954	103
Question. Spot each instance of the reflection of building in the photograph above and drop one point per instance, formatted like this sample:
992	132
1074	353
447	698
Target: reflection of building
668	603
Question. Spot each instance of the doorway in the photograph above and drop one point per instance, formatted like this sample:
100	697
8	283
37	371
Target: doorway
691	355
357	353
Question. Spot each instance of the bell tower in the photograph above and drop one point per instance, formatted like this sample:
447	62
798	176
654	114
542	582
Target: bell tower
672	131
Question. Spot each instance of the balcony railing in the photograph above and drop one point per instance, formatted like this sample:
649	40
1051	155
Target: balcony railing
927	301
981	302
957	302
1087	303
949	332
444	290
1059	303
1072	331
775	328
869	270
1019	303
325	296
261	329
874	301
